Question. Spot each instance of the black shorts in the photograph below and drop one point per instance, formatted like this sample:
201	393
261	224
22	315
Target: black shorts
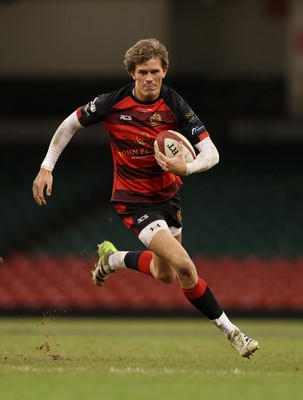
136	216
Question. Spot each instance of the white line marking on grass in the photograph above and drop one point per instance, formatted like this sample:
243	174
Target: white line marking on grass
127	370
237	371
137	370
27	368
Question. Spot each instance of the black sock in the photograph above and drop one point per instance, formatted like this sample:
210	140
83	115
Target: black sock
131	260
208	305
202	298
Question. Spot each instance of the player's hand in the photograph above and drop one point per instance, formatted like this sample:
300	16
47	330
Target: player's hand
43	180
175	165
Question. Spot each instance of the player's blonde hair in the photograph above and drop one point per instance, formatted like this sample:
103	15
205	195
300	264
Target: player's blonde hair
144	50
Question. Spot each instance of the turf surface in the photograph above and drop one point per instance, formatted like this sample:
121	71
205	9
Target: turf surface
64	358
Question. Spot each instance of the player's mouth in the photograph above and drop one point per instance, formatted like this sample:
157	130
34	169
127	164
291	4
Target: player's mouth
150	87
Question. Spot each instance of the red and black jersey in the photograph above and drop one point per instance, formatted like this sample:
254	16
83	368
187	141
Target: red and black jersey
133	126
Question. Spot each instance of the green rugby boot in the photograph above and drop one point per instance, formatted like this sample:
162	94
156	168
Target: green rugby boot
102	269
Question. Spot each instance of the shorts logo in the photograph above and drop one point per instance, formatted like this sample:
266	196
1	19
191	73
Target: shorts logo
143	218
152	228
179	216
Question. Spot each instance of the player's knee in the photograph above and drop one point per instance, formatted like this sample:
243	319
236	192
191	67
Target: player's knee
162	271
167	277
185	268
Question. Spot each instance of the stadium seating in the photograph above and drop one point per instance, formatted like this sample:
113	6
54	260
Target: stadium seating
64	283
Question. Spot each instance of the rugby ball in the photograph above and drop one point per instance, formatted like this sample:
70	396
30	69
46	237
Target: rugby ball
167	143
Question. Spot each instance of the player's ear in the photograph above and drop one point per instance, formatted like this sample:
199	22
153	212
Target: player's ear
164	72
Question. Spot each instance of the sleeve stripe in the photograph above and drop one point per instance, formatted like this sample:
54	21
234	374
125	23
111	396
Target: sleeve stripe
79	113
203	135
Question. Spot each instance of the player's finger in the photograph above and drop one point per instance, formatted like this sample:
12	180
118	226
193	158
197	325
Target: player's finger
157	155
49	189
160	160
38	194
160	157
40	200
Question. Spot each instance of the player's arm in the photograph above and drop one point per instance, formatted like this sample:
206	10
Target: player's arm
207	157
61	138
193	129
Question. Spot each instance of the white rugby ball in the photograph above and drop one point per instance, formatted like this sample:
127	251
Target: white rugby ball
167	143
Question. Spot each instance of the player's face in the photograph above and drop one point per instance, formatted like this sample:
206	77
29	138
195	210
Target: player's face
148	79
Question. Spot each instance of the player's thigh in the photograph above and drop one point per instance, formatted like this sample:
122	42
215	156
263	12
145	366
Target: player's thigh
161	269
171	252
169	249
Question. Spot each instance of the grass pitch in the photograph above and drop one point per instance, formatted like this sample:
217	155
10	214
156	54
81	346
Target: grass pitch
130	359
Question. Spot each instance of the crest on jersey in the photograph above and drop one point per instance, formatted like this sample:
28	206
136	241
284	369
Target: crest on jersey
155	119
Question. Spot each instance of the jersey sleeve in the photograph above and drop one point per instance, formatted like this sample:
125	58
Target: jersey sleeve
94	110
188	122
